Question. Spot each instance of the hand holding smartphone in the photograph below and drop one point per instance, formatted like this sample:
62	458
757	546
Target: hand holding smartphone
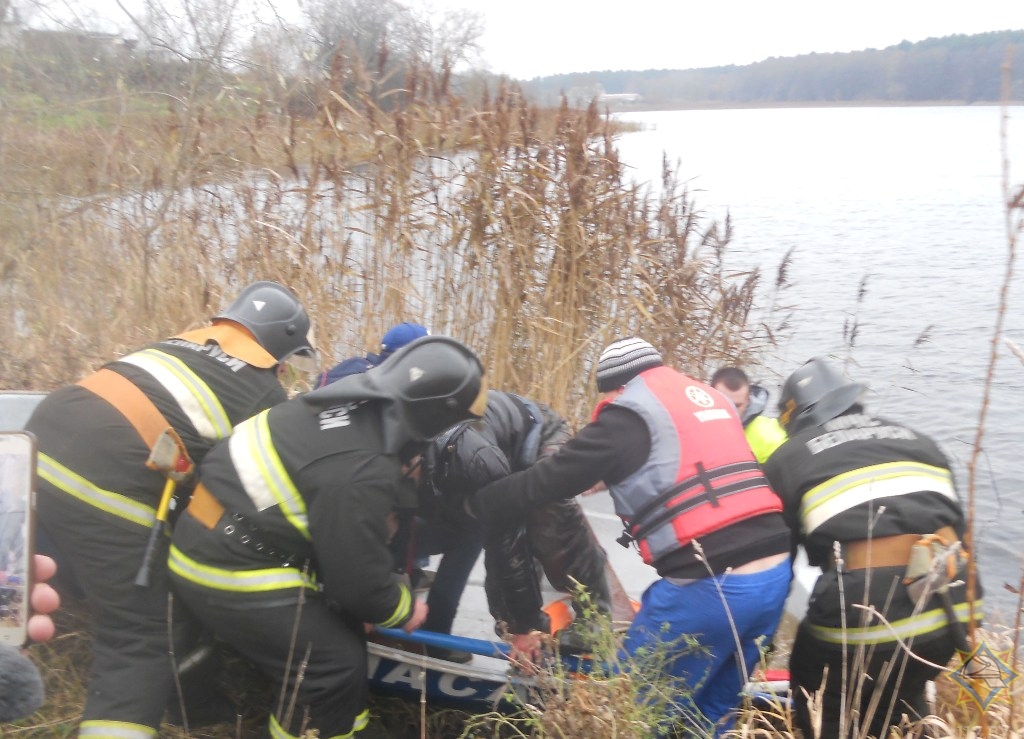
17	506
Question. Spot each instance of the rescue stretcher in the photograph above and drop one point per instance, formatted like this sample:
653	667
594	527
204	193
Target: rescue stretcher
399	664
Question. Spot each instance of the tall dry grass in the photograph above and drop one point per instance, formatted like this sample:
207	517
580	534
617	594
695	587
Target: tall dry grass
130	215
513	228
132	212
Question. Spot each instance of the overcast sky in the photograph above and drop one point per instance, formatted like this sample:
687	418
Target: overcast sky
527	38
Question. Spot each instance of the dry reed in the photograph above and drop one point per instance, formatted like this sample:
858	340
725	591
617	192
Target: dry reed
513	228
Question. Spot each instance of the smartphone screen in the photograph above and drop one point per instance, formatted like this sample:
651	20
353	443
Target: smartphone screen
17	483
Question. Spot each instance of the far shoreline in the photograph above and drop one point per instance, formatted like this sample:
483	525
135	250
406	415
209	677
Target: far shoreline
712	105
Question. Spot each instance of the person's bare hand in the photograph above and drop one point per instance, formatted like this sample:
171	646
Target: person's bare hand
526	651
419	615
44	600
414	469
599	487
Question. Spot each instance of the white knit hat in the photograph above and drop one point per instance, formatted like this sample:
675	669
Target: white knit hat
622	361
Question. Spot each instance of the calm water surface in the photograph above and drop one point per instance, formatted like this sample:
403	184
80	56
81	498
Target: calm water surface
908	203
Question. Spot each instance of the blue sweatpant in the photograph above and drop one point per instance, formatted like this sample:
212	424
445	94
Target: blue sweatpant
731	616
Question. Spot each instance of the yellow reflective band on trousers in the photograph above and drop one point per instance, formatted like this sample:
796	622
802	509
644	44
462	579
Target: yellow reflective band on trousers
362	720
115	730
262	473
843	492
78	487
902	629
237	581
194	397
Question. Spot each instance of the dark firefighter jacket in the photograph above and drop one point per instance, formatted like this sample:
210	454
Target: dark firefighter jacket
90	451
834	478
856	477
303	484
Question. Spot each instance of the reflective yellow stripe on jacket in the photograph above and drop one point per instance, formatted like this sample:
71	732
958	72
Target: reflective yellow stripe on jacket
115	730
194	397
263	476
78	487
903	629
402	610
843	492
237	581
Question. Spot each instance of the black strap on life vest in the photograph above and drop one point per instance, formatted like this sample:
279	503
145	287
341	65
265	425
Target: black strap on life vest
652	514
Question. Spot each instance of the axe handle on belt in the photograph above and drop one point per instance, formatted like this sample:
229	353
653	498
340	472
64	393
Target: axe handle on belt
157	531
169	456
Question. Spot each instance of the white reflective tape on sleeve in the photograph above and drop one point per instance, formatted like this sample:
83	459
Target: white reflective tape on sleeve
262	473
194	397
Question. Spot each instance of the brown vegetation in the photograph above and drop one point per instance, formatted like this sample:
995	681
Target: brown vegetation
134	205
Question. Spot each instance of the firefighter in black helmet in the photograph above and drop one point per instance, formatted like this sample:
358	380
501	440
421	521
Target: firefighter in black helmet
283	551
868	490
97	498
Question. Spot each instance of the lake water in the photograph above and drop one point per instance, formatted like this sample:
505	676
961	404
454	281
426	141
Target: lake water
908	203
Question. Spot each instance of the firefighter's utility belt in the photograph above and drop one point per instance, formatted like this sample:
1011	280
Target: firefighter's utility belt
211	513
888	551
129	399
204	507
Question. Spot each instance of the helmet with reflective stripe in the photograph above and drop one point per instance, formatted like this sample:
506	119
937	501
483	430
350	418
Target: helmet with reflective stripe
437	381
274	316
815	393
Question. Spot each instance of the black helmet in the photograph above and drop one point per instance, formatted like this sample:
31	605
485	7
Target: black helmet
437	381
816	393
427	385
275	317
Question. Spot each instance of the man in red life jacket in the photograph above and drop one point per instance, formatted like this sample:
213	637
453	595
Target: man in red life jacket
685	482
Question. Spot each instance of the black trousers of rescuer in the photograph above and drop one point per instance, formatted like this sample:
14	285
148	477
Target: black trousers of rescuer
131	677
882	673
334	689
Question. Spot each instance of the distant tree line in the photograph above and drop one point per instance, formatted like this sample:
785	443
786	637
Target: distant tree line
956	69
371	49
397	48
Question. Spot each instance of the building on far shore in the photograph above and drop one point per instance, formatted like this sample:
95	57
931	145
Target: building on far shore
618	98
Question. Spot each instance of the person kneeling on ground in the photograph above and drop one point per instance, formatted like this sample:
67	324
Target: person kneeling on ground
283	550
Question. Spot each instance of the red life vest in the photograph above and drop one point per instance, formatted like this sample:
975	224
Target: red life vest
700	476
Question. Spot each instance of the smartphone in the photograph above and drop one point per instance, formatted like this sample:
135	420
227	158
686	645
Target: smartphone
17	507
